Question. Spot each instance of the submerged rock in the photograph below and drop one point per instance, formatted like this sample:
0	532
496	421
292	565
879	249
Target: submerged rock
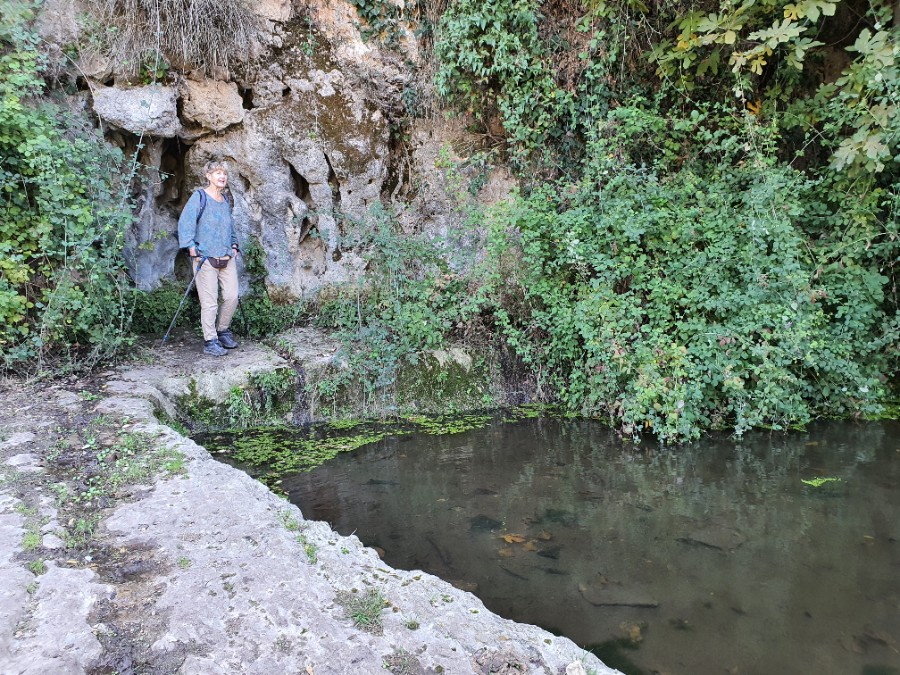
560	517
603	594
551	552
482	523
721	538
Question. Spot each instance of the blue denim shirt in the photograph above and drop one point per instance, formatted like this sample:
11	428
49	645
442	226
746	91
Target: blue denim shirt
214	234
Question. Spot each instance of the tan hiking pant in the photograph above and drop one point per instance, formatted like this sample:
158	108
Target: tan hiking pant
209	279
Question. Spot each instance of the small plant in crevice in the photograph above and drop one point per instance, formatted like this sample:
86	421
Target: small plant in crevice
291	524
311	550
363	608
265	402
401	662
37	567
80	532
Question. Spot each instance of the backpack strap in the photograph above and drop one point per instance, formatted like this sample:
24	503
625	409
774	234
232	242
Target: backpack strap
202	208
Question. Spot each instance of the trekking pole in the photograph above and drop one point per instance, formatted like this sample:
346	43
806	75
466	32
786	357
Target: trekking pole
181	304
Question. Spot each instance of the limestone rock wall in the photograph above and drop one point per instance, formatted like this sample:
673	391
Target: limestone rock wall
304	121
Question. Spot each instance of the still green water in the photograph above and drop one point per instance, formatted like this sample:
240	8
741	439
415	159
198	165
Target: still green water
710	558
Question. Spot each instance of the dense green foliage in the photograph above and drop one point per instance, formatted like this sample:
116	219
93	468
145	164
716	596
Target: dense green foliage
689	299
62	220
706	234
681	274
491	54
709	245
551	70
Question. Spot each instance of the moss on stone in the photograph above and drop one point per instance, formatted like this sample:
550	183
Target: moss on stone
444	383
440	383
196	410
266	400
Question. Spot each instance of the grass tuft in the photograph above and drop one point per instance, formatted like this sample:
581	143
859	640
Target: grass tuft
364	608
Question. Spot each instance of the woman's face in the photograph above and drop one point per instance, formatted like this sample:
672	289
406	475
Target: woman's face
217	178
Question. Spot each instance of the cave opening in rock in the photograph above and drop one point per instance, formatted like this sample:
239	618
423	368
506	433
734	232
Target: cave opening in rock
246	98
300	187
334	184
172	174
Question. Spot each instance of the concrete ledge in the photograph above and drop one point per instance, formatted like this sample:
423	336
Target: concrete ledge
223	576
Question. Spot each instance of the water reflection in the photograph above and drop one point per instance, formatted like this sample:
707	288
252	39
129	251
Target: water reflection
706	559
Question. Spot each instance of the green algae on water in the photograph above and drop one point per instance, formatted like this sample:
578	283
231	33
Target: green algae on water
271	453
448	424
283	451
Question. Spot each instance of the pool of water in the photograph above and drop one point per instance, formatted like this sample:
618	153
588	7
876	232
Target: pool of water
711	558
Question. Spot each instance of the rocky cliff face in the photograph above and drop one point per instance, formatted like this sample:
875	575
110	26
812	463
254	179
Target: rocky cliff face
304	118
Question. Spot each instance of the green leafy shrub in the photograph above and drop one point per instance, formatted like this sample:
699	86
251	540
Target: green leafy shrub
63	287
491	58
381	20
258	316
683	294
153	310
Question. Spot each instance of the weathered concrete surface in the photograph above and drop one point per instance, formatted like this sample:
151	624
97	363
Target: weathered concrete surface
179	370
214	574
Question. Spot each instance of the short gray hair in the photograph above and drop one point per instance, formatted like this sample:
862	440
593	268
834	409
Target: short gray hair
215	165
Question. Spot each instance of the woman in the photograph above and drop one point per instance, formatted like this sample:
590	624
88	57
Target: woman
206	230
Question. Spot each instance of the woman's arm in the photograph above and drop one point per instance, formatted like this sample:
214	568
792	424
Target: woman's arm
187	225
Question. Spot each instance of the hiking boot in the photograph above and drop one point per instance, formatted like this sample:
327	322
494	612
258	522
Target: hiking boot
213	348
226	339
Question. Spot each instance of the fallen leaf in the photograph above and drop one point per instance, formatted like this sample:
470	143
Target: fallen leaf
531	545
506	552
545	536
513	538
